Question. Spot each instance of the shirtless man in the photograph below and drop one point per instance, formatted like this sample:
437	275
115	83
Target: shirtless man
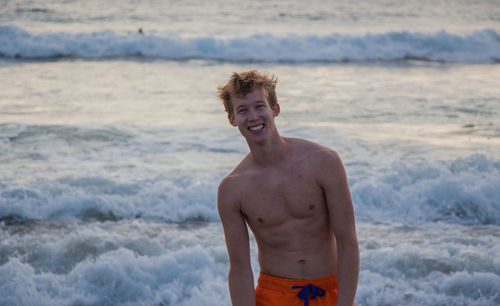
294	196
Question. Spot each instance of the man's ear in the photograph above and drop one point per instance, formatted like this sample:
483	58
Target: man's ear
276	109
230	117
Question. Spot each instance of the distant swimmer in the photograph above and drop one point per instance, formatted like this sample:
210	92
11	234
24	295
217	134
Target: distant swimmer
140	31
293	195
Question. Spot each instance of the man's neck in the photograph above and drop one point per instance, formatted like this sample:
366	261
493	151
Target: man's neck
269	152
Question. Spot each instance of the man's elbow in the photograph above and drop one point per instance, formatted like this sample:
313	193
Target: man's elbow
238	268
348	243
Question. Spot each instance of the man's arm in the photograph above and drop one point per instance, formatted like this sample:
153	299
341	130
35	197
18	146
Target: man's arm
240	276
341	213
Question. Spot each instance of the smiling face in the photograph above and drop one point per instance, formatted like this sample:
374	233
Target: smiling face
253	116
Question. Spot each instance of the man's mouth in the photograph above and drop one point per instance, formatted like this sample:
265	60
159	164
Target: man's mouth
257	127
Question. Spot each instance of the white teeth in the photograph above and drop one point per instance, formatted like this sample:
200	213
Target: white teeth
256	128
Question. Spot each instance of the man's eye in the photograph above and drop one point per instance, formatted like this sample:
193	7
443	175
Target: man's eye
241	111
260	106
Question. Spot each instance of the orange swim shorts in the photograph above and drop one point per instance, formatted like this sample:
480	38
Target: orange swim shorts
276	291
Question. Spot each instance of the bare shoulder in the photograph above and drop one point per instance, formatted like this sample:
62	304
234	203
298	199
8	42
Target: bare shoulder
228	203
315	153
230	187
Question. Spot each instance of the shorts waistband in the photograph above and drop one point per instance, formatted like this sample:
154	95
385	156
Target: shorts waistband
285	284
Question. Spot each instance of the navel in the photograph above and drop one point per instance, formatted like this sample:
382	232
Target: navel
312	206
302	263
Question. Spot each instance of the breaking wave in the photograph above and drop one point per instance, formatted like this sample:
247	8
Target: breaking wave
481	46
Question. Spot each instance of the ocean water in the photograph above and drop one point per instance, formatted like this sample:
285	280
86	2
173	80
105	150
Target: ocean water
112	143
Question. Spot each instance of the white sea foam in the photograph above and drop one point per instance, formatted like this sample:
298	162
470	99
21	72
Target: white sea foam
108	173
477	47
112	263
435	264
464	190
478	289
137	262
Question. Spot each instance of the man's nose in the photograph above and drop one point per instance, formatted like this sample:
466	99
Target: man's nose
253	115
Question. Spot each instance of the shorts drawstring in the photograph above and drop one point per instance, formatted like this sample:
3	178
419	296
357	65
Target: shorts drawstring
304	292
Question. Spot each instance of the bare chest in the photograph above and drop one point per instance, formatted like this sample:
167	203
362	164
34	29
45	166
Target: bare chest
273	200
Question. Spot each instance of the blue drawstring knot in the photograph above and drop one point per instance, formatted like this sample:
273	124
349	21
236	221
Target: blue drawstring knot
304	292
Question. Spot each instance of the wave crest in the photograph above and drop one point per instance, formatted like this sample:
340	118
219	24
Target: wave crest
481	46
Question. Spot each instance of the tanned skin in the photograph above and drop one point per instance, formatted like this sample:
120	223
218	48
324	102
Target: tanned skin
294	196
